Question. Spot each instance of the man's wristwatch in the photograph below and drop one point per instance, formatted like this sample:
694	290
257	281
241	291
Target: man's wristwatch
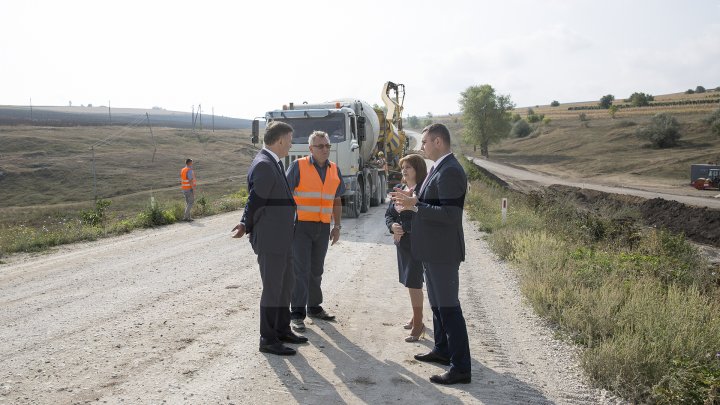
338	227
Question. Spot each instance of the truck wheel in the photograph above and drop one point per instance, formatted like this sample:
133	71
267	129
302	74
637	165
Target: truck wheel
375	195
354	210
383	188
365	205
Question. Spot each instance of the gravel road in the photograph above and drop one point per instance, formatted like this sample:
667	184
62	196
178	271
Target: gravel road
512	174
170	315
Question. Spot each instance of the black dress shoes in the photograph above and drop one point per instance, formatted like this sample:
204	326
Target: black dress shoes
293	338
451	377
433	357
278	349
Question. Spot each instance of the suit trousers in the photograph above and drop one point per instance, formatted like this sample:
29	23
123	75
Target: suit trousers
310	246
277	281
451	338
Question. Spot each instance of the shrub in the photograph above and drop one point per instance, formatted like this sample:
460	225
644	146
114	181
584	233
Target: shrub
606	101
515	118
521	129
95	216
663	131
640	99
699	89
152	215
554	103
583	117
533	118
547	120
689	91
530	111
612	111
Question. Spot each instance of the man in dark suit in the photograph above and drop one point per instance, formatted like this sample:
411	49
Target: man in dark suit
269	219
438	241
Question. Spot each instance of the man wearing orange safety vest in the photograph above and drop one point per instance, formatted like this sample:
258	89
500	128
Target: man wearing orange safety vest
187	184
317	185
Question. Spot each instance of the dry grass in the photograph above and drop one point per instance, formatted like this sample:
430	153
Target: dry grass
645	312
46	171
607	150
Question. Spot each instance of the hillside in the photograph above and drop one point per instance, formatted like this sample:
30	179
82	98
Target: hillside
605	150
48	170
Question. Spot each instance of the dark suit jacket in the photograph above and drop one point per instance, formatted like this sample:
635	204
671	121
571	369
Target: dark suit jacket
403	218
437	233
269	215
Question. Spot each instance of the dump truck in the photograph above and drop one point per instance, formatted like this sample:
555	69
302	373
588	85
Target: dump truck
705	176
358	134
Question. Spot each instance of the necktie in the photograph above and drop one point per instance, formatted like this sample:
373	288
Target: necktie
282	167
427	179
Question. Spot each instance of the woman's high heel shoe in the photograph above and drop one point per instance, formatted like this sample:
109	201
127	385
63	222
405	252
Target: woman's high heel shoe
408	325
413	338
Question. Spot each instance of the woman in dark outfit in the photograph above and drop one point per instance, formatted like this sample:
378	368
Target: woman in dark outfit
414	171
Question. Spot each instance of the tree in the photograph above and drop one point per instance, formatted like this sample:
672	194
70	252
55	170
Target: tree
554	103
486	116
606	101
640	99
699	89
663	131
413	122
689	91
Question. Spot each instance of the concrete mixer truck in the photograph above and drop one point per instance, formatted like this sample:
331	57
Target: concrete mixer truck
366	142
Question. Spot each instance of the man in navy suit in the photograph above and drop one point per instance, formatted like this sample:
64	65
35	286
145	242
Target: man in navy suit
269	219
438	241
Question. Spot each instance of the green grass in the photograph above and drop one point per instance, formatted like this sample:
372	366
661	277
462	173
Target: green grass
102	221
643	303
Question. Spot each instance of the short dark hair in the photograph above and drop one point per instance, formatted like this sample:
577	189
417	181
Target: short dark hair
438	130
275	130
188	161
418	163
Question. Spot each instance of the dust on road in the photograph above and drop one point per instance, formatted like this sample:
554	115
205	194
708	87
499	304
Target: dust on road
171	315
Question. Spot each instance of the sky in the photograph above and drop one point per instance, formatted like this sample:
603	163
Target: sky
242	58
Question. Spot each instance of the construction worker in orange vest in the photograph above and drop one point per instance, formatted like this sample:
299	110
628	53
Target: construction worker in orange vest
317	185
187	184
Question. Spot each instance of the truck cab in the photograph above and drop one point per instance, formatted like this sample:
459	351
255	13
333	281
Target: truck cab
346	124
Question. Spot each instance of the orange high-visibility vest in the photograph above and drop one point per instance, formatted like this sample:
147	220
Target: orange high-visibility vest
314	198
185	183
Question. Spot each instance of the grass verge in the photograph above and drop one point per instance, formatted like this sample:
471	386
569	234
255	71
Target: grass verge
642	302
101	222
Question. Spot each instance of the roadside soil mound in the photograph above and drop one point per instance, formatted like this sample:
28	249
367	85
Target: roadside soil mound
699	224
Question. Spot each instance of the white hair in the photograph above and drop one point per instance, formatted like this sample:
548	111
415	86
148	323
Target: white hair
315	134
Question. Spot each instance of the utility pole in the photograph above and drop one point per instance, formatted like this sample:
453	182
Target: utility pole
213	118
109	114
152	135
92	148
200	112
31	109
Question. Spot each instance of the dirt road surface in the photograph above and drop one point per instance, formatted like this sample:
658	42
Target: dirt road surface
513	174
170	315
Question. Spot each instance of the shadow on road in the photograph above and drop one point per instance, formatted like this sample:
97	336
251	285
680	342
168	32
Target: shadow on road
384	381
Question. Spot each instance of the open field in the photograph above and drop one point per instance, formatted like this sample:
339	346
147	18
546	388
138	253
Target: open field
50	168
606	151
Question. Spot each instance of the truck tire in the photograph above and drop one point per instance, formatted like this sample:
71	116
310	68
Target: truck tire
365	187
383	188
354	208
375	194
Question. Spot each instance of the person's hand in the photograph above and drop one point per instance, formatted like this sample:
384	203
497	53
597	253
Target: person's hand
397	238
239	231
405	199
334	235
397	229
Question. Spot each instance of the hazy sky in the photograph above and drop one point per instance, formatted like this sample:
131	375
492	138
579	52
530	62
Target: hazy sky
246	57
